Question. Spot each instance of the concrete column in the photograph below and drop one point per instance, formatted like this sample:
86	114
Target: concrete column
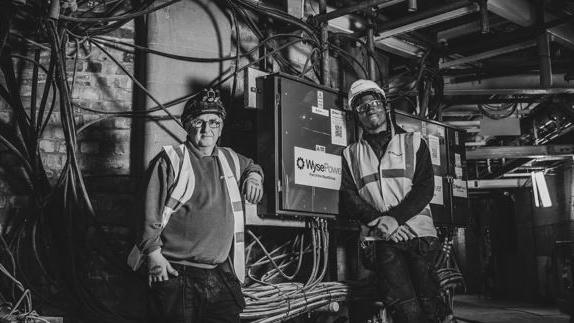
190	28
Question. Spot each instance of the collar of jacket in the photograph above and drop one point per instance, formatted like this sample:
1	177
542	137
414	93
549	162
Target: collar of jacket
196	151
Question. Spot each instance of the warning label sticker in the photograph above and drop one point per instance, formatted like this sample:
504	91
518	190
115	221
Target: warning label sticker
438	192
459	188
434	147
338	128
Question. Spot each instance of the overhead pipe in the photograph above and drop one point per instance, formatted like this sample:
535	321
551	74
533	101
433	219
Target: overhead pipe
426	18
545	60
484	23
324	43
543	48
371	48
413	6
326	16
488	54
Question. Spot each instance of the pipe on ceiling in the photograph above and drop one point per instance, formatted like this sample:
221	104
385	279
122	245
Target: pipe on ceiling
371	46
413	6
324	43
426	18
323	17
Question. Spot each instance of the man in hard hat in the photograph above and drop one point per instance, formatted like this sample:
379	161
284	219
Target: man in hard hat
387	185
193	228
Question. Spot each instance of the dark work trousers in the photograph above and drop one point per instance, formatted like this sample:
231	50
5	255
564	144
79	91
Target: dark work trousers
197	296
406	279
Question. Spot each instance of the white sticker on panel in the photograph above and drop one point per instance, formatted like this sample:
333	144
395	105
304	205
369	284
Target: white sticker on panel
458	172
434	148
317	169
438	191
338	128
459	188
320	99
321	111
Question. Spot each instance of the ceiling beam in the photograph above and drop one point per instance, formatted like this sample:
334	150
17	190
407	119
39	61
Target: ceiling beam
488	54
508	91
347	24
427	18
508	85
330	15
521	13
519	151
468	28
486	184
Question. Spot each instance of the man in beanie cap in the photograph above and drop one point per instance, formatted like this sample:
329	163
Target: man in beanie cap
387	185
193	229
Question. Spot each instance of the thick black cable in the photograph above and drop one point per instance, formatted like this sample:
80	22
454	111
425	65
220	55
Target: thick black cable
267	11
184	98
133	78
121	17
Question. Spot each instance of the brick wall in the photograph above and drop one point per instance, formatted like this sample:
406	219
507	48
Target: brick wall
103	152
103	147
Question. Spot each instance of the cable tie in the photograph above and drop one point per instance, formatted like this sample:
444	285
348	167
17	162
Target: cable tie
306	301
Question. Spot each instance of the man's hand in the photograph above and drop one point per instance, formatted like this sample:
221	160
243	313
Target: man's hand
384	226
403	233
253	188
158	267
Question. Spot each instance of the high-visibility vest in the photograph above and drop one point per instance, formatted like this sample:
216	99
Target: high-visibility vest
385	183
183	187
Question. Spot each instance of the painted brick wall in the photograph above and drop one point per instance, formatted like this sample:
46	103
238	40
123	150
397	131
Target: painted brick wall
103	153
103	147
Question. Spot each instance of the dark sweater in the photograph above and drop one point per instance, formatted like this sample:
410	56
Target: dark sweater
201	231
421	193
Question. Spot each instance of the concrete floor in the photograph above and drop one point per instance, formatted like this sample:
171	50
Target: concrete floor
474	309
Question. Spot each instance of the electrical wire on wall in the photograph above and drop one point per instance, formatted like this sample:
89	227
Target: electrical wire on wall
275	296
62	215
422	88
447	271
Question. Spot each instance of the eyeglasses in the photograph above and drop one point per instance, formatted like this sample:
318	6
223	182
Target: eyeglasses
371	104
198	123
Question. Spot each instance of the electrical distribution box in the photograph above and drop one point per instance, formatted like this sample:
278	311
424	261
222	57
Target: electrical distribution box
302	131
449	205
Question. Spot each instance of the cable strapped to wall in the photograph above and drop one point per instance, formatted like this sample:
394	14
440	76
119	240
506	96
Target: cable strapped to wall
274	296
447	272
56	233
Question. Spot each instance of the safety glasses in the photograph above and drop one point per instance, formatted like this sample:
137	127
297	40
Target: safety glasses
212	123
364	107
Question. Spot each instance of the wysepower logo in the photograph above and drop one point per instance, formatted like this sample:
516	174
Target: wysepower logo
318	168
300	163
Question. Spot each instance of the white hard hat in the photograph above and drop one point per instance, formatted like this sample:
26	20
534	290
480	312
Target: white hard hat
362	86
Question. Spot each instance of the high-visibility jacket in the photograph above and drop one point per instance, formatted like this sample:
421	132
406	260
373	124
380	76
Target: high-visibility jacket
182	190
385	183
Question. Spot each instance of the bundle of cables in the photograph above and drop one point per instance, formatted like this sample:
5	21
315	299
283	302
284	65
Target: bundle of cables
498	111
53	236
275	296
448	273
11	312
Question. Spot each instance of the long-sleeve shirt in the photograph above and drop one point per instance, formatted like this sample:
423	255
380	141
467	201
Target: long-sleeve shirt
200	232
353	205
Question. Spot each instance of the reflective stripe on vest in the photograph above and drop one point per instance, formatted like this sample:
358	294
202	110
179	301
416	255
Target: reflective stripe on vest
384	183
231	181
183	187
184	181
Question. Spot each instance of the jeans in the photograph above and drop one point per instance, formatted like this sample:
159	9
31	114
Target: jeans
406	279
197	296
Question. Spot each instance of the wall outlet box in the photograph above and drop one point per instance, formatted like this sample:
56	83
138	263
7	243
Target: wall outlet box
250	92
